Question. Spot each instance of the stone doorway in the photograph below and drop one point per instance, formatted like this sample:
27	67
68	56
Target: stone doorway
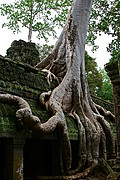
6	160
41	158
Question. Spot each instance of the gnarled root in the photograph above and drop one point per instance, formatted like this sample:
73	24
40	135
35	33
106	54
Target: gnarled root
43	99
25	115
50	75
107	114
77	176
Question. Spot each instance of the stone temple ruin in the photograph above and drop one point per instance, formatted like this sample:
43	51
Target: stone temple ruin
25	154
113	71
19	146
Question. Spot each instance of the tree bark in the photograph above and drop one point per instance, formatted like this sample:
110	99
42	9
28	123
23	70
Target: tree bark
30	33
72	95
31	21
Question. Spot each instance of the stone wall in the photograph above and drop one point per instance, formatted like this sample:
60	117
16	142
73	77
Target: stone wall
28	82
113	71
25	52
25	81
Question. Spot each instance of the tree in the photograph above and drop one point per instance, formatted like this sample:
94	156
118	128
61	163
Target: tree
72	96
105	91
94	76
105	18
44	50
44	16
98	80
38	16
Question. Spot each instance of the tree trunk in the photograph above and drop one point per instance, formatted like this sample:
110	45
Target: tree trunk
31	21
30	33
72	95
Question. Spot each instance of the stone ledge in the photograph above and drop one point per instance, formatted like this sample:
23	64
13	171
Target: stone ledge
113	70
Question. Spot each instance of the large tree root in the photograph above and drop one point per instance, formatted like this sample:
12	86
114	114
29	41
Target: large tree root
77	176
103	165
24	114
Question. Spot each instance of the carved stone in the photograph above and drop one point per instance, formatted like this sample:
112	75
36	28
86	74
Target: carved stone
113	71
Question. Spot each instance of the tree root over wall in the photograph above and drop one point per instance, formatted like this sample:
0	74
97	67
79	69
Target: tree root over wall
72	95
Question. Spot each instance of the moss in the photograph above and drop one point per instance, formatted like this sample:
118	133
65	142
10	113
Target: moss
114	176
23	74
39	111
72	127
106	104
27	82
24	52
9	124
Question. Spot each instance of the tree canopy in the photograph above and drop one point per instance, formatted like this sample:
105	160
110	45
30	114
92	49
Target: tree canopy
46	17
105	18
94	76
105	90
38	16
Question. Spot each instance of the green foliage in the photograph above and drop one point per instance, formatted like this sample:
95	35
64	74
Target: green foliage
94	77
98	80
37	15
46	16
44	50
105	18
105	91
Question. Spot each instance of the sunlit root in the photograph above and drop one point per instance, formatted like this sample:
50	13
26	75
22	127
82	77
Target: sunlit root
105	113
50	76
43	99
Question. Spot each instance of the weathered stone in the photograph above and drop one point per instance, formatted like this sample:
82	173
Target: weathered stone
113	70
115	79
18	145
25	81
25	52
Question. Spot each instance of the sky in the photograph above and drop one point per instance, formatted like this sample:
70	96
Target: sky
7	37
